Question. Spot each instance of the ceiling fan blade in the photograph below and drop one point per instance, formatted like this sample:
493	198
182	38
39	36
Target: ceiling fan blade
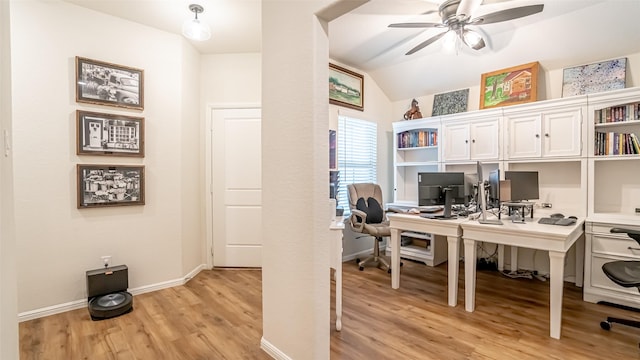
507	14
423	44
416	25
468	7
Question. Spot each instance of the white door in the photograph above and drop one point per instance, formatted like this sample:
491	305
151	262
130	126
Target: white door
456	142
524	136
484	140
562	133
236	187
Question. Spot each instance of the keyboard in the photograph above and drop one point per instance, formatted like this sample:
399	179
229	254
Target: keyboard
548	221
430	209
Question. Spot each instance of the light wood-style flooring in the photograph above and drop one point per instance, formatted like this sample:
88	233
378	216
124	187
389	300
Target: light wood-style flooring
218	315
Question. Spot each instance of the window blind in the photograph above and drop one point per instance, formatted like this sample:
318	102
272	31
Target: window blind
357	155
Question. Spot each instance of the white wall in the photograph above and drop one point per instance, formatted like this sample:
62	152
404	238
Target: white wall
8	284
56	242
192	174
231	79
295	152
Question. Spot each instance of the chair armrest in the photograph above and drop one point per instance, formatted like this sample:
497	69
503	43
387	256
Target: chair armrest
634	234
357	226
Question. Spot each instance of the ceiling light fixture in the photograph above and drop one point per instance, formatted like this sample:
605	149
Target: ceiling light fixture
473	39
194	29
450	42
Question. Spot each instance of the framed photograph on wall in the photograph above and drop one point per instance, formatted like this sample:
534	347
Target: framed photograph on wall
108	84
346	88
107	134
510	86
110	185
592	78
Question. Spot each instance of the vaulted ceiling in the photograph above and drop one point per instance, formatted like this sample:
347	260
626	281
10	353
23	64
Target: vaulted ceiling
566	33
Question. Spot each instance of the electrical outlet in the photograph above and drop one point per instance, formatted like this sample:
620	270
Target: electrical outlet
106	260
546	205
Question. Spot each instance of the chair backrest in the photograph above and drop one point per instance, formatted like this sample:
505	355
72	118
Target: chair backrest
363	190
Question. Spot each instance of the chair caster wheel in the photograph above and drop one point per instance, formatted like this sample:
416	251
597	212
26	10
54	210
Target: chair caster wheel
389	271
401	264
357	260
361	268
605	325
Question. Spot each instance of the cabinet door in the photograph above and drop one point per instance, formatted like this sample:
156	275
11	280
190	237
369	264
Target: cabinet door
456	142
562	134
484	140
524	136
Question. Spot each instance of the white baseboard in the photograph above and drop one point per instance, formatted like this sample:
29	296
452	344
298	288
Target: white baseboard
362	255
79	304
273	351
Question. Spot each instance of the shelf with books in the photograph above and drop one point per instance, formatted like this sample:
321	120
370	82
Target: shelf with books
416	149
614	163
417	138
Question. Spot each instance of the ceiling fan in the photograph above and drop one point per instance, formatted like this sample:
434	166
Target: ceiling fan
457	14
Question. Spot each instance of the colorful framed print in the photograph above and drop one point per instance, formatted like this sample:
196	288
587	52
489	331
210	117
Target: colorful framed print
510	86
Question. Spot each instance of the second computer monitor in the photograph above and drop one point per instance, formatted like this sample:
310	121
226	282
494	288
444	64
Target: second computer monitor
524	185
493	196
432	185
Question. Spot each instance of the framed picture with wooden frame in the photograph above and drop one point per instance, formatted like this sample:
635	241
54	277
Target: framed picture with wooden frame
110	185
510	86
346	88
109	84
108	134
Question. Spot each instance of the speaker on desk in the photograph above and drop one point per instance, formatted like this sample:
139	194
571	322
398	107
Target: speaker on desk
107	292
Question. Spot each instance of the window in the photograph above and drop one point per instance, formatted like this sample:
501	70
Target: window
357	155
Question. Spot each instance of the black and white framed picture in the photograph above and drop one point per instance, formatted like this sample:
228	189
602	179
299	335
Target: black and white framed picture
109	84
108	134
110	185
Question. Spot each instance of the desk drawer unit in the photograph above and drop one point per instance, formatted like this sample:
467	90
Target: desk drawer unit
602	247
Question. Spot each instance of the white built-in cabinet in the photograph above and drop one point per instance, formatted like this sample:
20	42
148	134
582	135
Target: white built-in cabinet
614	192
548	130
471	136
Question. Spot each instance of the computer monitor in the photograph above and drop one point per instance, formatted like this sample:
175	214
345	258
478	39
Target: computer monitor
524	185
441	188
493	197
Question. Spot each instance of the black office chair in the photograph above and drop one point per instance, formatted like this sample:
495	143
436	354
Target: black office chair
624	273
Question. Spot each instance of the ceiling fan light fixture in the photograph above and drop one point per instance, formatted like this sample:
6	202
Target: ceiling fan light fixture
194	29
473	39
449	42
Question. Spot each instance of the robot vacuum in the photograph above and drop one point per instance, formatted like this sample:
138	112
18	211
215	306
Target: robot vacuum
107	292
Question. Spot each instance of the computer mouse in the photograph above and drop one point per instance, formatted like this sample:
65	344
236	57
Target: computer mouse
556	216
572	217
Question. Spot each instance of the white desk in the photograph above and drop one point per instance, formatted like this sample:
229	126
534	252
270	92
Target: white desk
335	256
557	240
449	228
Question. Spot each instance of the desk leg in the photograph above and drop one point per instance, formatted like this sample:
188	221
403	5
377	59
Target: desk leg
514	258
395	258
454	266
469	275
556	262
580	261
500	257
338	277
